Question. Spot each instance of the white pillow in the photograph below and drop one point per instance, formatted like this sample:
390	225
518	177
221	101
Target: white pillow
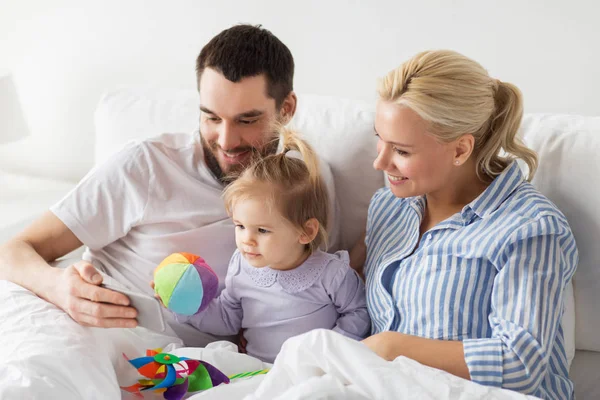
340	130
342	133
568	147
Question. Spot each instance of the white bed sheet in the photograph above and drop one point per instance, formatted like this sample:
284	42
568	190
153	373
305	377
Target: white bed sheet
47	355
323	364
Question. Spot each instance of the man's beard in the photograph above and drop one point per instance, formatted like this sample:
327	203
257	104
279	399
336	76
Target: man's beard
210	150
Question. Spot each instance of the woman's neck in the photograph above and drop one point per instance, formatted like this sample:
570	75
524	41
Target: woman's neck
451	199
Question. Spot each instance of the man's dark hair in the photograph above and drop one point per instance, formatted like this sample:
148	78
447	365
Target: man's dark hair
244	51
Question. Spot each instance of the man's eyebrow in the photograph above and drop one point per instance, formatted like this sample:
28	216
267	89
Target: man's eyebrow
207	111
250	114
394	143
247	114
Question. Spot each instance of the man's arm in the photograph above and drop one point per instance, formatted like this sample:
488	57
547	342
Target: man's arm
24	261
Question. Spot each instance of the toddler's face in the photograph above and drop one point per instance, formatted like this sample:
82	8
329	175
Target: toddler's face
264	237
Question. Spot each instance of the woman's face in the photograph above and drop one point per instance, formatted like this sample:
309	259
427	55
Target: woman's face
415	162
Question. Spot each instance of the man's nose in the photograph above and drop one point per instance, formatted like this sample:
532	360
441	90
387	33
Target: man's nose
229	138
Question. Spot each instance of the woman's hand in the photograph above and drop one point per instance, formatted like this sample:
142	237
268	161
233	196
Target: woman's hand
386	345
446	355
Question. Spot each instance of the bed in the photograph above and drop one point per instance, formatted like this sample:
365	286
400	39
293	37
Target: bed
568	147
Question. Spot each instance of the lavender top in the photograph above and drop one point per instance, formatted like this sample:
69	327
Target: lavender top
272	306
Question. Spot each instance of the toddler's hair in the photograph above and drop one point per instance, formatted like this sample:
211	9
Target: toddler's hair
290	182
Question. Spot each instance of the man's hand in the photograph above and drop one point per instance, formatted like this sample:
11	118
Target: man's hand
78	293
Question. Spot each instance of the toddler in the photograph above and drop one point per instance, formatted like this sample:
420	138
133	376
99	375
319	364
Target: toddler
279	283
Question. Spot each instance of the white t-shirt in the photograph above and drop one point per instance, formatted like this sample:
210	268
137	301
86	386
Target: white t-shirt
151	199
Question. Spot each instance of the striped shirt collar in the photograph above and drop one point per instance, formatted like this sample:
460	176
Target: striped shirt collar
498	191
488	201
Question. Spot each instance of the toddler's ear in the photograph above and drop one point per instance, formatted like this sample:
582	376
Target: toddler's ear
311	229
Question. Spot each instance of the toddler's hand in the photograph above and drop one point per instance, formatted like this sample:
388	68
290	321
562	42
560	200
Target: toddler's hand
156	295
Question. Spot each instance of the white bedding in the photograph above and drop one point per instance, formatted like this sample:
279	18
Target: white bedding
324	364
46	355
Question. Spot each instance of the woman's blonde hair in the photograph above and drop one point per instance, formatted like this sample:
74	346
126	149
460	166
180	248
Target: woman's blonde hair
456	96
293	176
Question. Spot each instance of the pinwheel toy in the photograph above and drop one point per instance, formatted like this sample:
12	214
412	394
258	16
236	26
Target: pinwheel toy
172	375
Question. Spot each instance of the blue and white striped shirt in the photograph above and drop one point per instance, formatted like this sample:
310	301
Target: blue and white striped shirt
492	276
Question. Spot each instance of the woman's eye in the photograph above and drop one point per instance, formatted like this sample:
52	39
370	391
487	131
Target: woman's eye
401	152
261	230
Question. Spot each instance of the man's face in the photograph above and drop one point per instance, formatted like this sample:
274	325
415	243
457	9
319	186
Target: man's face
235	121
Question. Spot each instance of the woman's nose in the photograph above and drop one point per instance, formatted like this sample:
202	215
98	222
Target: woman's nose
382	160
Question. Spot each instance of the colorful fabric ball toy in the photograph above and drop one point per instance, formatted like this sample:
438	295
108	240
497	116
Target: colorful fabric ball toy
185	283
172	375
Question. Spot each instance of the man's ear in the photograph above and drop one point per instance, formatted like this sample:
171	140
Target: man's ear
311	230
288	108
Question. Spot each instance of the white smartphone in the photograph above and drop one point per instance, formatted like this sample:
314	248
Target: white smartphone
149	311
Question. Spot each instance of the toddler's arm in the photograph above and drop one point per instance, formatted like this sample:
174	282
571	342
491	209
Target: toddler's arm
223	316
347	291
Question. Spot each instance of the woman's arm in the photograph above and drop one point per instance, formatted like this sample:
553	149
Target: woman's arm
534	266
441	354
358	255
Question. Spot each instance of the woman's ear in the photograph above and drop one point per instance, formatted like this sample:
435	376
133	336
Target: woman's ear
464	148
310	232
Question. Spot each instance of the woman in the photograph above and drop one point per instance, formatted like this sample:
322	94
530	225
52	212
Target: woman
466	262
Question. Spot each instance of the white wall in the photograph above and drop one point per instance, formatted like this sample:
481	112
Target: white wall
64	53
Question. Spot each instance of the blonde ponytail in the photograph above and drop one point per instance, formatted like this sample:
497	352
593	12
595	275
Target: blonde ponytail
504	125
292	142
456	96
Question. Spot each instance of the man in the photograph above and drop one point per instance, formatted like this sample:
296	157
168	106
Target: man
162	195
